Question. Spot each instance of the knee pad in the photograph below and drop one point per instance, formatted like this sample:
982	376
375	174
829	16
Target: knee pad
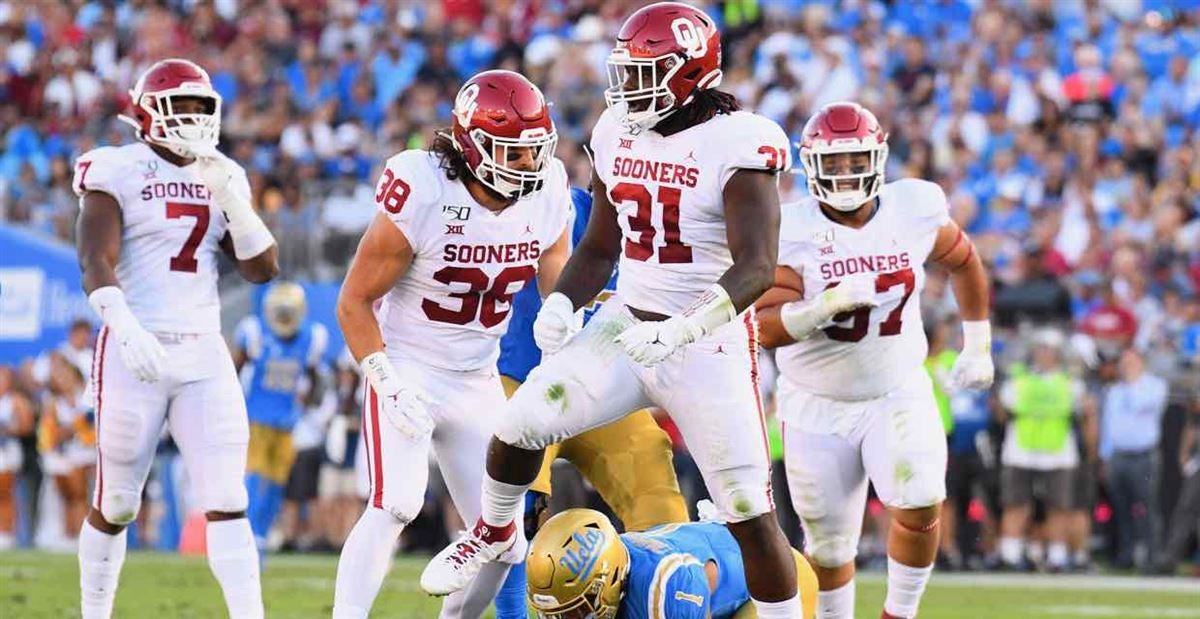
120	507
741	493
832	550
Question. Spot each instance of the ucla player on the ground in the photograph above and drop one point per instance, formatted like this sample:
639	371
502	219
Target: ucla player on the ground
278	357
579	567
638	483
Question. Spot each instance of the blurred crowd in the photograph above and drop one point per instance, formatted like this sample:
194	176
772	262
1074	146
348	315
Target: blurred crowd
1063	131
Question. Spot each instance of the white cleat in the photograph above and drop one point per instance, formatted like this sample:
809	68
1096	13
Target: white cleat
456	565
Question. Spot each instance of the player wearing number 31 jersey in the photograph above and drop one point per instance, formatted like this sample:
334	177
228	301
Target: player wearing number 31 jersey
854	397
154	216
684	195
460	230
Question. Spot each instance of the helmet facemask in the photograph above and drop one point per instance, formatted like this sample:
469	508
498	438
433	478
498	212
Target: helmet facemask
183	134
854	185
493	169
638	88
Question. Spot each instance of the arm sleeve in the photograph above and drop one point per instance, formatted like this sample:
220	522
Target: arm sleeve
406	192
685	593
248	337
317	345
96	170
755	143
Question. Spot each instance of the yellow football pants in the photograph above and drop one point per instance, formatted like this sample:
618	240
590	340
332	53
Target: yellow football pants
629	462
271	453
806	583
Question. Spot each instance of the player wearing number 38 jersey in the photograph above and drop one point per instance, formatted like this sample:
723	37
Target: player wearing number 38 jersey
853	393
461	229
684	196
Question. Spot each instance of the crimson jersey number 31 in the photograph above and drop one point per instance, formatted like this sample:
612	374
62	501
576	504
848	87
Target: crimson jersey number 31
673	250
859	320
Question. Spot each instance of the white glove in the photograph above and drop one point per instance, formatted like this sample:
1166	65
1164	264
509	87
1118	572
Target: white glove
405	405
556	323
142	353
973	368
230	188
648	343
802	318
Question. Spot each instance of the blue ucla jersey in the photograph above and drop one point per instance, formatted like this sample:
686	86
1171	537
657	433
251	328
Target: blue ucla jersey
518	352
274	373
667	577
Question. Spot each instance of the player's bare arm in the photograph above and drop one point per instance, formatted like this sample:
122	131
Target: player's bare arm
383	256
752	228
591	265
788	287
954	251
99	232
258	269
552	262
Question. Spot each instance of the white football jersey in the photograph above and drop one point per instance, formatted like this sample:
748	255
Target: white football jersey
452	306
863	354
170	236
667	192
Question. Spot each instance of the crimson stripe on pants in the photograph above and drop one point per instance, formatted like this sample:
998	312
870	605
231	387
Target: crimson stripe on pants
98	385
752	332
377	461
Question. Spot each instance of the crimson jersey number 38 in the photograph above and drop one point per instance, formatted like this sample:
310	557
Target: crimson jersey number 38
488	299
859	320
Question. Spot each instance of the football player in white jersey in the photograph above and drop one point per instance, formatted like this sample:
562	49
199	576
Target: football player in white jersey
154	216
853	393
685	196
460	229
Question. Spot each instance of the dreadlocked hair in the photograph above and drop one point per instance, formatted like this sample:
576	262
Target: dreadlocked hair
706	104
449	159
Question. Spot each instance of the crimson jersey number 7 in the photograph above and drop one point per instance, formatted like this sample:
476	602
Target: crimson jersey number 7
860	318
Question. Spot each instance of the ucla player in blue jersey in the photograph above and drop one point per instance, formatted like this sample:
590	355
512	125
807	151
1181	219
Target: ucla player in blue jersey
579	568
628	462
278	358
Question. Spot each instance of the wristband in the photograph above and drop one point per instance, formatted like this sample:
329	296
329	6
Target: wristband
380	373
977	336
109	303
713	309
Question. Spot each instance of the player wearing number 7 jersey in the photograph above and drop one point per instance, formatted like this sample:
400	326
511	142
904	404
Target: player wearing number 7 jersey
460	230
853	394
154	216
684	195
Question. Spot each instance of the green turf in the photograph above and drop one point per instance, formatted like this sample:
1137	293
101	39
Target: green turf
156	586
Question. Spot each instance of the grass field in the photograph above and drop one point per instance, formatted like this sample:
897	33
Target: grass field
156	586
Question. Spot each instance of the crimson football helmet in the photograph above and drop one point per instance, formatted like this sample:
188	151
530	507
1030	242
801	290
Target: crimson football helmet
498	110
154	116
843	127
665	52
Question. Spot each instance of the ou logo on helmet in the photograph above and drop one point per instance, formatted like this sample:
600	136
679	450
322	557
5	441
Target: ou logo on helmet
689	37
465	104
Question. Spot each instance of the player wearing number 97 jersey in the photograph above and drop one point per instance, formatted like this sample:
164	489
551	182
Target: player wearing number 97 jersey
853	393
460	230
154	216
684	196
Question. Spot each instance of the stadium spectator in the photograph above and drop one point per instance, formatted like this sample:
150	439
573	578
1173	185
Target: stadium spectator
1130	427
1039	451
16	421
1187	508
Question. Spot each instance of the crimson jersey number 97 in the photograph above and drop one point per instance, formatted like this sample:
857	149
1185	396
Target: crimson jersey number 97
860	318
673	250
486	298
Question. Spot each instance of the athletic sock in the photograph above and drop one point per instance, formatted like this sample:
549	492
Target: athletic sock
100	558
366	557
501	502
836	603
1011	550
786	609
233	559
905	585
